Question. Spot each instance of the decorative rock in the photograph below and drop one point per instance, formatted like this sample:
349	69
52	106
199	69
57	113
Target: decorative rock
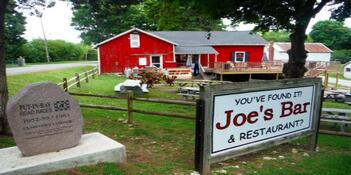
294	151
44	118
306	154
281	157
220	171
269	158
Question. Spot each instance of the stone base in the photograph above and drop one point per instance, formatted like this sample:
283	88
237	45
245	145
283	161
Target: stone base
93	148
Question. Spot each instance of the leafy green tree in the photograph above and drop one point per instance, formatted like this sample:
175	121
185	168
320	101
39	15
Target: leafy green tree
98	20
281	36
343	55
29	4
179	15
333	34
276	36
292	16
14	29
101	19
59	51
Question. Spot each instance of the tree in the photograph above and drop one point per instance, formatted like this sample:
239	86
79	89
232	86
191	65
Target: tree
3	81
281	36
276	36
30	4
333	34
101	19
14	28
290	15
179	15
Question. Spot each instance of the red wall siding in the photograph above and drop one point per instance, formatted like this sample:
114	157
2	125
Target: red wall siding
116	54
225	52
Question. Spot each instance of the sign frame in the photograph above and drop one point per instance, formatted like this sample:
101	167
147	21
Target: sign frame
204	116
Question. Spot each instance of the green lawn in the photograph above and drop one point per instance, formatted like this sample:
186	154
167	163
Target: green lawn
163	145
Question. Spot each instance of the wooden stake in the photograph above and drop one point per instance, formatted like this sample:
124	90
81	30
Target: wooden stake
130	107
77	80
65	85
86	77
337	80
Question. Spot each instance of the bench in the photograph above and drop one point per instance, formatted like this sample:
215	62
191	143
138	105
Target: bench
340	117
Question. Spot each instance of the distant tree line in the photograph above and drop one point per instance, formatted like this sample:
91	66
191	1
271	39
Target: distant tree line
333	34
34	51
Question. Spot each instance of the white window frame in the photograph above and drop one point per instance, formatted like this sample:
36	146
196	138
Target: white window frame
244	54
161	60
134	42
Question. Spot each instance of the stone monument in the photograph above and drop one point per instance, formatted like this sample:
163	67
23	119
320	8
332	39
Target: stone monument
44	118
46	123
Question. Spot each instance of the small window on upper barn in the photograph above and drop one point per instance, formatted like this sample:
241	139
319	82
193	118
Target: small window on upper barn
134	40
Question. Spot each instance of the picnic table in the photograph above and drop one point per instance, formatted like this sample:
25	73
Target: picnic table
187	92
134	85
341	117
337	95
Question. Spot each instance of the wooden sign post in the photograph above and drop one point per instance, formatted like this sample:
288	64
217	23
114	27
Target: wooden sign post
240	118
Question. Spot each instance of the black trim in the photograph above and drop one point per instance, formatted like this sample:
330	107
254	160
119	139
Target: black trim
199	136
249	91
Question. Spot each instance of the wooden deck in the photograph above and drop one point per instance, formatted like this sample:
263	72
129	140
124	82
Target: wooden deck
274	68
271	68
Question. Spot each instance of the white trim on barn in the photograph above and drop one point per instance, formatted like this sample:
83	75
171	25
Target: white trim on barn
128	31
99	64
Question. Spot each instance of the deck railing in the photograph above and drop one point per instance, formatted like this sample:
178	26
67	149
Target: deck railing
249	66
275	66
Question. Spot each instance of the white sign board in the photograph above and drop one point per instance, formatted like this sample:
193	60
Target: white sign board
142	61
247	119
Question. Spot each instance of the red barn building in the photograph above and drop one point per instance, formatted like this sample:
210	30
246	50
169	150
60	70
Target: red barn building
177	49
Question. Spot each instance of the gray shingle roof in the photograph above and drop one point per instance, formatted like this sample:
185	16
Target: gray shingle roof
195	50
199	38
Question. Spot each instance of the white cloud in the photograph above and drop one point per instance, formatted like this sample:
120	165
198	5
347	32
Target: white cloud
57	24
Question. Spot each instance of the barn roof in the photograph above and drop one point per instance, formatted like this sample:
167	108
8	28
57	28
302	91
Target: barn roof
309	47
199	38
195	50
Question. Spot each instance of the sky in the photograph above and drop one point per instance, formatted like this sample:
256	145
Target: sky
57	23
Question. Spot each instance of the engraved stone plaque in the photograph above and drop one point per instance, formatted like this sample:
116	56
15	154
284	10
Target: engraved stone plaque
44	118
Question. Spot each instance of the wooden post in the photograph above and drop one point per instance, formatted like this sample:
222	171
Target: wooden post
86	77
130	107
326	79
221	77
77	80
277	76
93	74
337	80
65	85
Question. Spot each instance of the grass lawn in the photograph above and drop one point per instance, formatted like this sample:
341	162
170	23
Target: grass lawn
163	145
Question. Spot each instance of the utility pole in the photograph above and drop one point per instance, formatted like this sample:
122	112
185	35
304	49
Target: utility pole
45	40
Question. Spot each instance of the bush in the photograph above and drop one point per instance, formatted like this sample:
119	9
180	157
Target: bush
59	50
343	56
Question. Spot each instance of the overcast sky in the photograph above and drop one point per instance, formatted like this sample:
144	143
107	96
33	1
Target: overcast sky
57	23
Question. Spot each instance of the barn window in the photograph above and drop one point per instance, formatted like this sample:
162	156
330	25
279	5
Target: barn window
134	41
239	56
348	69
